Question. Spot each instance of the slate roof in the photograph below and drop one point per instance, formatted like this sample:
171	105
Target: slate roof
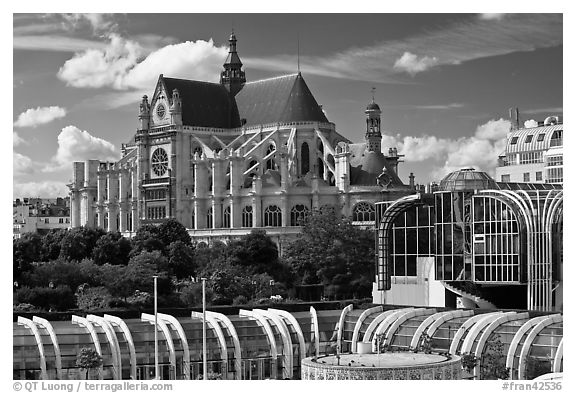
366	166
204	104
282	99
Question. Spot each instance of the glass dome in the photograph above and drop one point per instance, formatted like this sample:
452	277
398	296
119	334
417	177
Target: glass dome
467	179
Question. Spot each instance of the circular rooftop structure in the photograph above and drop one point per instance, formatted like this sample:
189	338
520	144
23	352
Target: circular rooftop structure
384	366
467	179
372	106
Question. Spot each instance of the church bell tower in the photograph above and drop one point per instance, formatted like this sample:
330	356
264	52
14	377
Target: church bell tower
373	134
232	76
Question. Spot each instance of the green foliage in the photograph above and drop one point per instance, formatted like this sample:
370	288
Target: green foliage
25	250
88	359
147	238
469	361
111	248
191	295
96	298
78	243
51	244
181	260
59	298
333	252
139	272
493	360
425	343
171	231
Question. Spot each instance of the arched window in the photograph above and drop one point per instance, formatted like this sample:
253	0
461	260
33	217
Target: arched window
227	220
247	216
209	218
273	216
298	215
364	211
304	159
271	163
196	149
320	168
106	221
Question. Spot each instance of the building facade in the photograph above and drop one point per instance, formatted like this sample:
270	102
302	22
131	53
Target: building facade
474	242
223	158
533	155
37	215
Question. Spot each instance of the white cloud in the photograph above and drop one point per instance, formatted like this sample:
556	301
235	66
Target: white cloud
17	140
493	130
121	65
530	123
97	22
492	16
77	145
40	115
54	43
43	189
22	165
412	64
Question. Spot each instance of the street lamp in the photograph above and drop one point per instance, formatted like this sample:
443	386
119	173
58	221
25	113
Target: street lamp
204	359
156	365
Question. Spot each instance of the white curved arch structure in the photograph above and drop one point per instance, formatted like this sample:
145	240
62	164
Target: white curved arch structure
286	341
296	326
90	328
343	314
169	319
115	321
402	318
557	365
112	342
434	321
232	330
269	333
522	331
530	339
213	322
385	324
376	322
315	332
32	326
167	336
359	323
507	317
478	328
50	329
465	327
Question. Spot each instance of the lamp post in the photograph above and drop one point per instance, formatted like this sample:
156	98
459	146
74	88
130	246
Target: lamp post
156	365
204	359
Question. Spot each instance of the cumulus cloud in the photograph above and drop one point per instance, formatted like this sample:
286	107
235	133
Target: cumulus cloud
413	64
77	145
530	123
40	115
22	165
492	16
43	189
480	150
17	140
126	64
97	22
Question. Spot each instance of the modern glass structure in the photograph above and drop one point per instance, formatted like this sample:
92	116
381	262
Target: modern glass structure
271	343
492	244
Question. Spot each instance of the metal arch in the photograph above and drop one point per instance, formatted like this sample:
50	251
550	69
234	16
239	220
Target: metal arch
48	326
32	326
466	326
178	327
530	339
516	341
290	318
385	324
358	325
557	365
477	329
507	317
112	342
232	330
167	336
128	335
343	314
374	324
286	340
316	339
431	324
396	324
269	333
210	319
88	326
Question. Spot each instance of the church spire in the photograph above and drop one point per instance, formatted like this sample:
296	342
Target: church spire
373	134
232	76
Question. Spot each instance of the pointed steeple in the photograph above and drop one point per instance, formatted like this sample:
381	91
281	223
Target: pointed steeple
373	134
233	76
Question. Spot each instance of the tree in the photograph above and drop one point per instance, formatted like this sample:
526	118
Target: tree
493	360
88	359
78	243
147	238
171	230
141	269
25	250
111	248
181	259
51	242
96	298
333	252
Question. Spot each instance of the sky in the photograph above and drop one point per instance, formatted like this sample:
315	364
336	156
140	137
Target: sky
444	82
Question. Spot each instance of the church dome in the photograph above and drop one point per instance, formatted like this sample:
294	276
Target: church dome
467	179
372	106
